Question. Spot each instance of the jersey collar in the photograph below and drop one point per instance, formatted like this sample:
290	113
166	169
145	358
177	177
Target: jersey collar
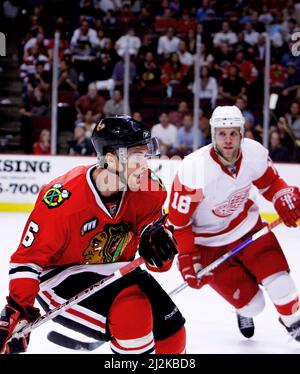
223	167
97	194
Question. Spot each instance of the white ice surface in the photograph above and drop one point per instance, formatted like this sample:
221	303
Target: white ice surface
211	324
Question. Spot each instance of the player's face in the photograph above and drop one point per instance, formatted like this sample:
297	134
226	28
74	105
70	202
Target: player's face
228	142
136	165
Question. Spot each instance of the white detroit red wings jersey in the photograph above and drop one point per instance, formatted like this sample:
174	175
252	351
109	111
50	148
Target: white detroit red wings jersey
209	205
71	225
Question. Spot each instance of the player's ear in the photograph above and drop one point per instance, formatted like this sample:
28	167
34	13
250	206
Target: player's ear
111	160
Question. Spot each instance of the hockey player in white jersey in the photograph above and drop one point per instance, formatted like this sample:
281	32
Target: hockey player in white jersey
212	211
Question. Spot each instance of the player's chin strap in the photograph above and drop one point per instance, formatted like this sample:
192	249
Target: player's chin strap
126	269
265	230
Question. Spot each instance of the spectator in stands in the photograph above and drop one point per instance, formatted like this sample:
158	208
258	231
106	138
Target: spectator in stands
137	116
291	9
108	47
104	67
59	24
175	7
126	16
241	103
286	137
201	14
278	153
250	35
40	78
242	45
232	86
88	123
206	59
247	69
210	25
275	32
84	40
10	11
249	134
260	49
144	20
118	73
164	18
109	20
278	75
31	59
223	56
115	105
185	138
67	80
80	145
176	117
205	130
167	43
173	72
41	43
42	146
185	57
165	132
190	41
265	15
289	28
293	119
38	106
225	36
208	86
149	72
129	42
292	82
102	40
106	5
148	45
186	22
91	102
288	57
63	48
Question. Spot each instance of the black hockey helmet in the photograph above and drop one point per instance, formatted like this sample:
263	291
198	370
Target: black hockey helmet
122	132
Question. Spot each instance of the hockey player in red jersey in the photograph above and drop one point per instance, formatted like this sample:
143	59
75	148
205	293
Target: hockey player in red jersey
85	225
213	210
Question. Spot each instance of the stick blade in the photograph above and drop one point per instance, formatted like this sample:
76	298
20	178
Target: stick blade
67	342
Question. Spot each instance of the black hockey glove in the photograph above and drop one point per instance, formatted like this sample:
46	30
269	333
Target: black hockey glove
157	244
12	319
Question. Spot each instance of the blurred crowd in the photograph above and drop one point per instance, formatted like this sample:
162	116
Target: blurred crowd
160	36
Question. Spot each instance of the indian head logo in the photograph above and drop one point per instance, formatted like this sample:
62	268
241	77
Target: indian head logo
232	203
108	245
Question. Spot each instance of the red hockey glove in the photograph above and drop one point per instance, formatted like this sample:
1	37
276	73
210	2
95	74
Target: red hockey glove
157	244
287	205
189	265
13	317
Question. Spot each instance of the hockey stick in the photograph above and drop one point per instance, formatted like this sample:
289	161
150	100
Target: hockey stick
67	342
231	253
79	297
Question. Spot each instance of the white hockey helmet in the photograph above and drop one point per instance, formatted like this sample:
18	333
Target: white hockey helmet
224	117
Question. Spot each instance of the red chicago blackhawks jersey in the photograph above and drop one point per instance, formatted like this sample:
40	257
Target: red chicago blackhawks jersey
70	224
211	205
